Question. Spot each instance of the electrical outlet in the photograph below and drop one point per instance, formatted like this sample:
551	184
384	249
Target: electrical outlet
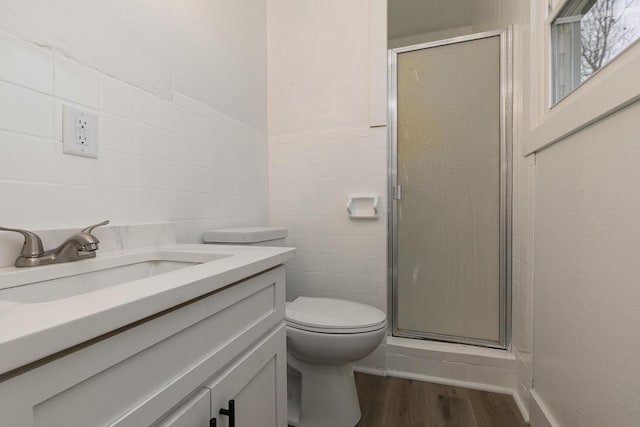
80	132
82	138
81	122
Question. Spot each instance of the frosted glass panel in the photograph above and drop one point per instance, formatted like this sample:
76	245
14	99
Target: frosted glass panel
448	223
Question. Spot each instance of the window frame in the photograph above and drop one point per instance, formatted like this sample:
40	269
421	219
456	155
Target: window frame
608	90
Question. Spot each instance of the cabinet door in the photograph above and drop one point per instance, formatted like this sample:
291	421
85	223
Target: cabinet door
195	412
257	385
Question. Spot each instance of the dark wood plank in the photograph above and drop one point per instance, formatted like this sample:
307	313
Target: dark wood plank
395	402
372	392
495	410
453	411
407	404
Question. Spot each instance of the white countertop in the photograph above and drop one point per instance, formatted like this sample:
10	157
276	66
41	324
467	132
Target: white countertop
32	331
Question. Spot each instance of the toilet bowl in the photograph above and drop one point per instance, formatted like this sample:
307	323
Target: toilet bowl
324	336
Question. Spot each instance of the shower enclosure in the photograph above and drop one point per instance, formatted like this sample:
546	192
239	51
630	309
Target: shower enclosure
450	188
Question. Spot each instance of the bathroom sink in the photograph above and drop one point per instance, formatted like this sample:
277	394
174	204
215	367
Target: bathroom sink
47	309
117	272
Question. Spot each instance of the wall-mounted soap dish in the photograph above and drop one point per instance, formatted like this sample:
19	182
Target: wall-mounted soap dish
363	206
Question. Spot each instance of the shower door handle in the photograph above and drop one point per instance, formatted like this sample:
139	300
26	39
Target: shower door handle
398	193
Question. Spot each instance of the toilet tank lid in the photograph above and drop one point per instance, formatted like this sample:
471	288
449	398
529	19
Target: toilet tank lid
243	235
333	313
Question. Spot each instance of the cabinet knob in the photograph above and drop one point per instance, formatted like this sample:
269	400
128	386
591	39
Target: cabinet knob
212	422
231	413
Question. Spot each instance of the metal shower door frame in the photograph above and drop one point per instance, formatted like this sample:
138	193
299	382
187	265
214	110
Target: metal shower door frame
505	192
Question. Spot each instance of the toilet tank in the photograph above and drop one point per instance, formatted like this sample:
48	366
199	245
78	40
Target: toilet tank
257	236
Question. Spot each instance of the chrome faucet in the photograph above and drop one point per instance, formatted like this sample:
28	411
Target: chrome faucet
81	245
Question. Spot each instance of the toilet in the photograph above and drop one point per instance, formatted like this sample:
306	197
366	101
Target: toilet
324	336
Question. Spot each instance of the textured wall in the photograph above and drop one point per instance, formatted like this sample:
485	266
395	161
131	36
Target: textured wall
587	299
318	65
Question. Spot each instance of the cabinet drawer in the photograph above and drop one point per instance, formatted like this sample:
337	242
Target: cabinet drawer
136	376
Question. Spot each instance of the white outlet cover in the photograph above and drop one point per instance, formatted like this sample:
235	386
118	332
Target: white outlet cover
79	132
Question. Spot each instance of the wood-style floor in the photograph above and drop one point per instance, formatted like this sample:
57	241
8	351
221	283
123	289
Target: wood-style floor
395	402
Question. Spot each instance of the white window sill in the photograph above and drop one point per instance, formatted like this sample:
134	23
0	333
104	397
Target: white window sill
611	89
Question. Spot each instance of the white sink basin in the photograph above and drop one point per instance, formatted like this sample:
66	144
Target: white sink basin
117	272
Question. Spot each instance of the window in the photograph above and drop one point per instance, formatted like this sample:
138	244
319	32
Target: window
585	36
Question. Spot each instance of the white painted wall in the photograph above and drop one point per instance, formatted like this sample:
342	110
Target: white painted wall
321	150
420	16
180	90
318	65
219	56
587	299
430	36
494	15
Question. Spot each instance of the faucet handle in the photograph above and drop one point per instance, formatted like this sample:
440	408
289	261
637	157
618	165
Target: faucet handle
32	246
90	228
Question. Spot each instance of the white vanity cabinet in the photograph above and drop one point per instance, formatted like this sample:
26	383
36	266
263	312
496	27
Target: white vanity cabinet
177	368
195	412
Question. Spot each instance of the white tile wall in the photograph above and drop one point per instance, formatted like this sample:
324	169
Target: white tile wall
159	160
117	98
25	111
117	133
26	65
76	83
311	178
26	150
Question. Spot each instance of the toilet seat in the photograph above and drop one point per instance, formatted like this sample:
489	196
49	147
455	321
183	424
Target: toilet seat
333	316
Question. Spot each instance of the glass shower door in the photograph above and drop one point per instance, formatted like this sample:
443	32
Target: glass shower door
450	184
